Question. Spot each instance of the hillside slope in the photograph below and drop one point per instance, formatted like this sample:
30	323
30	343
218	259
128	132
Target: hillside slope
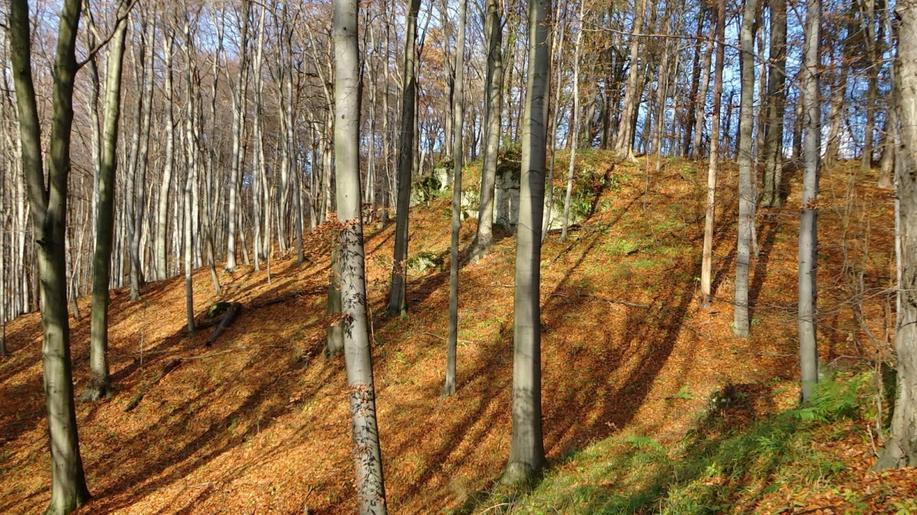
259	421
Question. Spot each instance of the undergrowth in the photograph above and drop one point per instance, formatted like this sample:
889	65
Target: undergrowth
727	463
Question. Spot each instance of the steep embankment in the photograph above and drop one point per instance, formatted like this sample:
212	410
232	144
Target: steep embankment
259	421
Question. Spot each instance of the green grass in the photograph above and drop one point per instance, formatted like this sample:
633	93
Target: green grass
720	466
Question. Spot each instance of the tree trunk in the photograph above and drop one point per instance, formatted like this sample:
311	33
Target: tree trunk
162	206
747	199
776	105
710	212
574	122
49	208
493	107
458	151
697	137
526	458
836	111
239	99
397	301
901	448
625	136
556	62
139	193
695	81
867	11
887	163
334	343
358	358
100	383
808	234
190	226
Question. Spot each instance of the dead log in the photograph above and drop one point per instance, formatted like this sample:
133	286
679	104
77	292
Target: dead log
229	316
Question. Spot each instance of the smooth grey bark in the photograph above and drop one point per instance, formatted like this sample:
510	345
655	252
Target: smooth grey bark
867	12
4	291
710	211
887	163
189	198
49	210
694	128
889	150
458	151
901	448
397	301
3	288
239	98
776	106
334	342
575	122
526	458
553	109
797	125
493	107
741	322
162	206
808	234
836	110
357	356
701	103
100	382
260	188
632	93
142	163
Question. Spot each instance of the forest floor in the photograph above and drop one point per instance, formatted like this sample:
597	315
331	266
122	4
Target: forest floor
635	373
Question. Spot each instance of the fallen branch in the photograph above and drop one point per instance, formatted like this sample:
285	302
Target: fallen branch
229	316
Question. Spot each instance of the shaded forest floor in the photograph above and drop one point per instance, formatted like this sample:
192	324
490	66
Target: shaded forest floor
258	422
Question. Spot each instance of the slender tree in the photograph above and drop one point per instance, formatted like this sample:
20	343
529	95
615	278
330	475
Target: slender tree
741	322
706	277
526	458
625	136
458	150
397	301
901	448
575	123
808	233
162	207
239	99
776	105
100	384
188	226
493	107
49	211
867	9
358	358
138	196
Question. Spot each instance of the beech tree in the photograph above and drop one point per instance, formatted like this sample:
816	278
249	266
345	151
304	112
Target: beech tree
713	162
49	209
357	356
526	458
101	267
747	197
808	232
633	90
493	107
776	105
575	123
397	301
901	448
458	150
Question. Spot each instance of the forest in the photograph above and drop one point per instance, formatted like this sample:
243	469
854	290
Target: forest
452	256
